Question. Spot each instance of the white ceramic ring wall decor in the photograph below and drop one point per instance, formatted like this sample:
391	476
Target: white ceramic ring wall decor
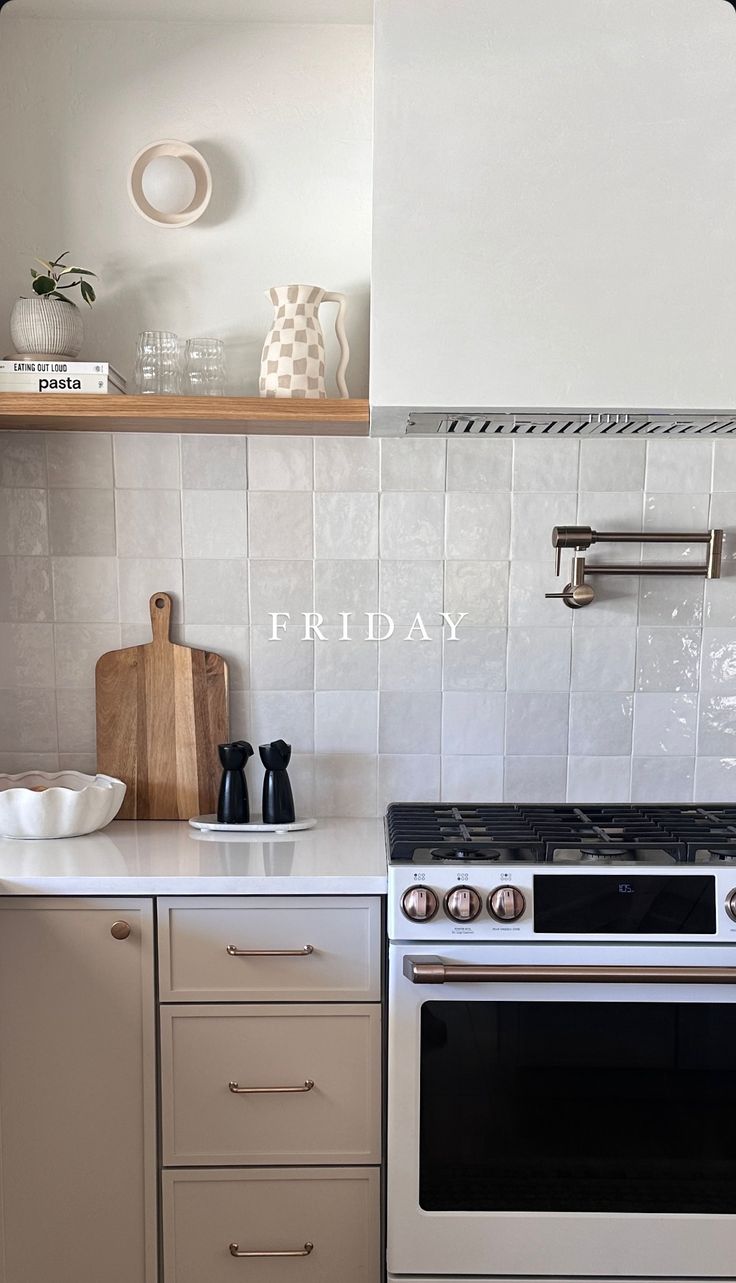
170	183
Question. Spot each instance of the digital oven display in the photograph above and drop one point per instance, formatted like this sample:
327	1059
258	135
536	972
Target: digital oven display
623	904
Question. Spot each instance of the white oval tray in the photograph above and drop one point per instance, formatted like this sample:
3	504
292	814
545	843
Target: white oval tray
210	824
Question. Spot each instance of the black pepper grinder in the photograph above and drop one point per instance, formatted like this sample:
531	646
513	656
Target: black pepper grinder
278	800
232	802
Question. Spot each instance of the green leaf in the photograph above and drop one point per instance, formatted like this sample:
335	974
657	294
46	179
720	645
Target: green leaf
34	273
88	293
59	259
44	285
49	266
78	271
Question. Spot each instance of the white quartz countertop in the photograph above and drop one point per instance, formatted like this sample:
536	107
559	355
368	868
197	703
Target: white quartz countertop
163	857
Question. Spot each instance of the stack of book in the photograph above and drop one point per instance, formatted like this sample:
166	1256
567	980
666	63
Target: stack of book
27	373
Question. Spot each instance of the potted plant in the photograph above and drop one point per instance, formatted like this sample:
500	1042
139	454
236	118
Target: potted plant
50	323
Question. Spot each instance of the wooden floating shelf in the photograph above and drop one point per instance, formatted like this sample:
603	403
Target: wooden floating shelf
90	413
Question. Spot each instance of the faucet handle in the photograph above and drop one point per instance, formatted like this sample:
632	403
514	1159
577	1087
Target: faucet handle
578	537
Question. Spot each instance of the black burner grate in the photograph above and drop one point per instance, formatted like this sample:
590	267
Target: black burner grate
469	830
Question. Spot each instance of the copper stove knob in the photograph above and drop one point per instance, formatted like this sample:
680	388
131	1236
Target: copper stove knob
419	904
731	905
506	904
463	904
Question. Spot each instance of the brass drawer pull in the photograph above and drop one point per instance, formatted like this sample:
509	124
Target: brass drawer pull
304	1251
234	952
265	1091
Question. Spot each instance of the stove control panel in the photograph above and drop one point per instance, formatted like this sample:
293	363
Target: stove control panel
463	904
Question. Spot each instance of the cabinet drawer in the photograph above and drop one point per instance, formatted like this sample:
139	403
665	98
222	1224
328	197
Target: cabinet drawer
270	949
276	1210
263	1050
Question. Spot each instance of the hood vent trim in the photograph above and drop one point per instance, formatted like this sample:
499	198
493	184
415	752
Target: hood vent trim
571	423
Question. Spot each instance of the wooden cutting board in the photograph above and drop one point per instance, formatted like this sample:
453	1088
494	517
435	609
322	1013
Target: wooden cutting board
161	712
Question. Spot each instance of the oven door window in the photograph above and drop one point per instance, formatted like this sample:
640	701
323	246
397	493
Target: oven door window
578	1107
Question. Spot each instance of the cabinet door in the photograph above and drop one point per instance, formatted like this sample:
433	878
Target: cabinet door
77	1092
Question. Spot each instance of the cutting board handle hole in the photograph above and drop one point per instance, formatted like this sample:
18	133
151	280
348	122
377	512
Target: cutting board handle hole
159	603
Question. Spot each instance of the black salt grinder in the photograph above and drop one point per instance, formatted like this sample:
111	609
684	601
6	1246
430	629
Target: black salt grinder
232	802
278	800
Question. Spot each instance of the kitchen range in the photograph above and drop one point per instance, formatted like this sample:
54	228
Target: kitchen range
562	1042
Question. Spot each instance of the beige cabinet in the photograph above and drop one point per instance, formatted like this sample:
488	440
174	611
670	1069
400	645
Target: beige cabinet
270	949
314	1225
271	1084
77	1091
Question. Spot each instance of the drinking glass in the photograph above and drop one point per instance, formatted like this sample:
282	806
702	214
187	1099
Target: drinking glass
158	363
204	367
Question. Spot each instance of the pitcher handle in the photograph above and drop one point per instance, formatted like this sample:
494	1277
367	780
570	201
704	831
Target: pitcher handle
342	339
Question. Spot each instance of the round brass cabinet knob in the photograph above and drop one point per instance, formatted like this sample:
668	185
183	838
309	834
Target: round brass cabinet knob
120	930
506	904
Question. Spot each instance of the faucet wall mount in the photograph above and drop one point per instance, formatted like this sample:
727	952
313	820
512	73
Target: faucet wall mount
578	592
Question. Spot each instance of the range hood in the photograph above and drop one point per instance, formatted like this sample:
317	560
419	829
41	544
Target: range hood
555	423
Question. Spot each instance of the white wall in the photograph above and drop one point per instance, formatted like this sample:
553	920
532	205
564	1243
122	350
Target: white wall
555	202
282	114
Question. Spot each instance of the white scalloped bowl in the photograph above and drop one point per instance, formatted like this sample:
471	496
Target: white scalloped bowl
63	804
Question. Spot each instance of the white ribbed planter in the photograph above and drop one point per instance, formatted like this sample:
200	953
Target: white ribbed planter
46	327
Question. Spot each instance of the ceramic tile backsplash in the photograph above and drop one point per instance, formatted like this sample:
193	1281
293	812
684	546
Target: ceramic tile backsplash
632	698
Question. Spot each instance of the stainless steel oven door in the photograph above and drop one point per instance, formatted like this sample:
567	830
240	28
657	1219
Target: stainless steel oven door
572	1117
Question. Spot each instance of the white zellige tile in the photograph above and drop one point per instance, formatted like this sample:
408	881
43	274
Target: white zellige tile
478	526
80	459
25	589
475	464
664	724
603	660
479	588
408	587
148	522
545	465
611	510
20	760
284	664
213	463
668	659
216	590
407	778
612	465
77	648
724	466
718	671
410	722
689	512
673	602
346	784
22	459
23	522
410	665
345	587
345	663
601	724
85	589
679	466
413	464
717	725
536	723
214	523
535	779
279	463
412	526
346	464
346	721
473	723
28	722
715	779
75	714
616	604
598	779
539	659
146	460
662	779
528	583
82	522
287	715
472	779
475	659
281	587
346	526
26	655
533	518
139	578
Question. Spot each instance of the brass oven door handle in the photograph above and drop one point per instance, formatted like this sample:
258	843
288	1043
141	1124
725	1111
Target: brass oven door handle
304	952
267	1091
302	1251
433	971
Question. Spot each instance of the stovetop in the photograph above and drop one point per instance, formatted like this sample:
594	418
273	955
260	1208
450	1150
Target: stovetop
500	833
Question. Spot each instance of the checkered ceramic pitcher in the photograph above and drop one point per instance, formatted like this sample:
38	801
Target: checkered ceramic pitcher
293	359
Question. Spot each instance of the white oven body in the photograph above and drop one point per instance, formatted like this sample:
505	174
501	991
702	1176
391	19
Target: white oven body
428	1245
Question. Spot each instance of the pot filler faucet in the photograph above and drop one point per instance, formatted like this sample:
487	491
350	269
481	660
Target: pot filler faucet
579	593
